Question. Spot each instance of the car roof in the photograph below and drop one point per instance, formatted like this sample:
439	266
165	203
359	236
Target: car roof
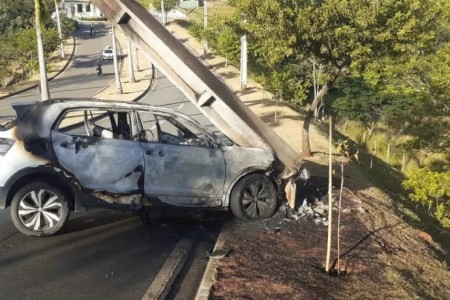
37	118
64	103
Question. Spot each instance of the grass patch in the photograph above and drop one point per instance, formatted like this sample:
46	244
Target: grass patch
391	149
215	9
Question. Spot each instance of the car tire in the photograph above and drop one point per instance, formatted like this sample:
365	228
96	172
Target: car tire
39	209
254	197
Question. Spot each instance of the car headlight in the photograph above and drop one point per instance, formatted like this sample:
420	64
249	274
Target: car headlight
5	145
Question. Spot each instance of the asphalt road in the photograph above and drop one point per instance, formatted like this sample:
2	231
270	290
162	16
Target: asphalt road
99	254
102	255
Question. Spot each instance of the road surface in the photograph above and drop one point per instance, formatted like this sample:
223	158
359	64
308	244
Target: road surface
99	254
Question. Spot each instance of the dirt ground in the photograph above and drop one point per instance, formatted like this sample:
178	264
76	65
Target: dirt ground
381	255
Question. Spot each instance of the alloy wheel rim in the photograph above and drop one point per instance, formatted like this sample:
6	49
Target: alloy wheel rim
40	210
257	198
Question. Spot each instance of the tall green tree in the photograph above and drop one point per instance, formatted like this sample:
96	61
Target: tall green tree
346	37
16	15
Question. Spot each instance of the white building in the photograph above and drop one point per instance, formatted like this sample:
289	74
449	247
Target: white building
80	9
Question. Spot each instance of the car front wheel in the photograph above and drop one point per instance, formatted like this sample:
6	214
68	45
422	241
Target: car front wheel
254	197
39	209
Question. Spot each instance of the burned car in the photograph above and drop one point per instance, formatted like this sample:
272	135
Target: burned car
65	155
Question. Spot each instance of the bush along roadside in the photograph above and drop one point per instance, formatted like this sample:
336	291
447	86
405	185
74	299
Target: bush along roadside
432	190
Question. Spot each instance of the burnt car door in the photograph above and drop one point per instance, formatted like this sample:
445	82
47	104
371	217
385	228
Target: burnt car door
97	147
182	167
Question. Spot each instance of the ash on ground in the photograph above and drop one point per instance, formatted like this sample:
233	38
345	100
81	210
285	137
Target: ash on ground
312	204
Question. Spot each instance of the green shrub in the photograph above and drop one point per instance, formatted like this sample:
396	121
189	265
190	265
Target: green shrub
431	189
68	25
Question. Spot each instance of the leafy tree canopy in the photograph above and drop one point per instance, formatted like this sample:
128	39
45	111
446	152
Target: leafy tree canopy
385	54
343	35
168	4
17	15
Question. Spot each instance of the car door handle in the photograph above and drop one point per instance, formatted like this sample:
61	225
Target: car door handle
154	152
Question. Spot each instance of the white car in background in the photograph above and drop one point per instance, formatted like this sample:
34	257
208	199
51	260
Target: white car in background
107	53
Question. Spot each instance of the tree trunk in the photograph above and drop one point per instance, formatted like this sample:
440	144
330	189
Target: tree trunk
45	95
330	196
306	147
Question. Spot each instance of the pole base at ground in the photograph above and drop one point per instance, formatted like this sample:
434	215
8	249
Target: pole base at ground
290	191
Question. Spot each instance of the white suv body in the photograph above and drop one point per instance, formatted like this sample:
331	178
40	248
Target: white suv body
65	155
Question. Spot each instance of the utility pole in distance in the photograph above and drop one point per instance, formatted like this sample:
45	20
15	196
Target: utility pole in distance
58	24
136	58
205	24
163	13
116	65
130	63
243	61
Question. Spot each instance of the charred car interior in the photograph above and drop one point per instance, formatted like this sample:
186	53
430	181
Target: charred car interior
65	155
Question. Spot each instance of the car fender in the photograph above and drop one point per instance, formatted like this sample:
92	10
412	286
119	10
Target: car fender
226	199
65	181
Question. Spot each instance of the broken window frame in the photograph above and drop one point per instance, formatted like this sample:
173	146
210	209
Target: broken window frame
110	114
201	139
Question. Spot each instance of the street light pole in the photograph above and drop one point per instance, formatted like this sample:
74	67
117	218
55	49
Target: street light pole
136	58
116	65
130	64
243	61
205	24
58	24
163	15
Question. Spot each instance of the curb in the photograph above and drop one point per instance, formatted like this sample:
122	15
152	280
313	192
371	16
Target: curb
209	276
151	85
34	85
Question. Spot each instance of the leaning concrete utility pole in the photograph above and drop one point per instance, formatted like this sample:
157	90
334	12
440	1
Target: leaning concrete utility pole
209	93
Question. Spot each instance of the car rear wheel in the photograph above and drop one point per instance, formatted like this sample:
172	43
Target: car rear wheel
254	197
39	209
